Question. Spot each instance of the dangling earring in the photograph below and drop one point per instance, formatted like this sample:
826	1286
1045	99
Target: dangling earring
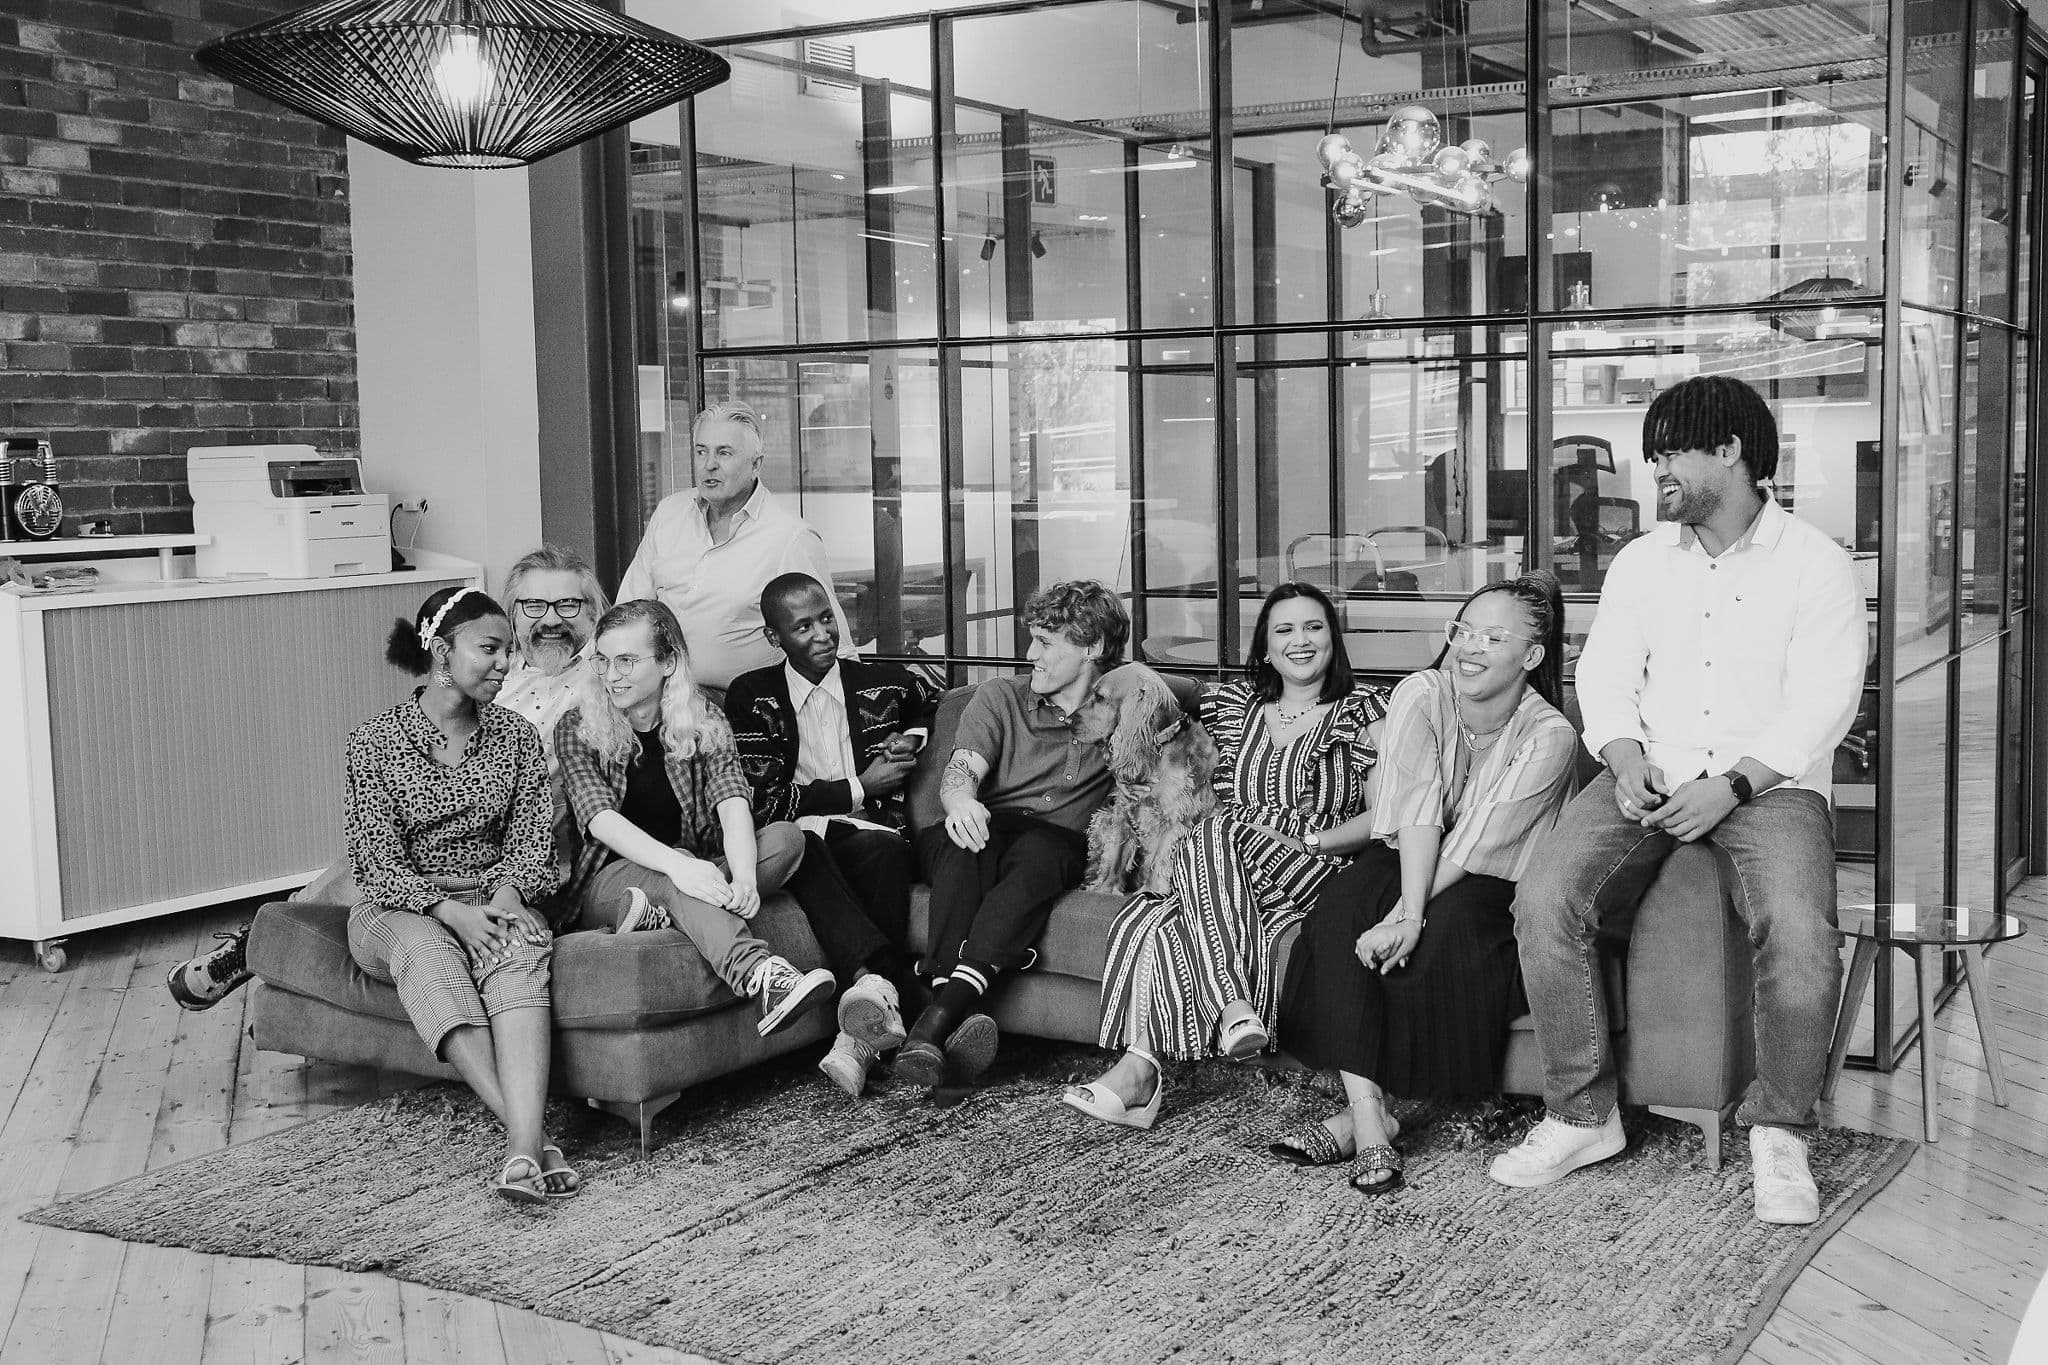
444	677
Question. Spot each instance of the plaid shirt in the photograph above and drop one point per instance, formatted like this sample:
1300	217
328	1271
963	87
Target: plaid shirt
702	782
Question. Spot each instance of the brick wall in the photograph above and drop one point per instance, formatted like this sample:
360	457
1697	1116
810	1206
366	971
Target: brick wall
174	254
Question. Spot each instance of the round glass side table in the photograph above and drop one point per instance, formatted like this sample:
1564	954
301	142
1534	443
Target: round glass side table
1928	932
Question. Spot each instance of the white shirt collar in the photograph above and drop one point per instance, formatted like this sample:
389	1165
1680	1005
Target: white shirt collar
800	687
753	509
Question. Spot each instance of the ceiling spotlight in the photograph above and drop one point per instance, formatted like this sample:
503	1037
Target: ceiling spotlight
988	248
679	292
1037	246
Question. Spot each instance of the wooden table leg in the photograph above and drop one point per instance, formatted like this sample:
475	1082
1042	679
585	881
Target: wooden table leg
1927	975
1858	986
1974	972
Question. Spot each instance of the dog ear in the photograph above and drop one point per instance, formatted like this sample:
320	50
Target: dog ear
1134	744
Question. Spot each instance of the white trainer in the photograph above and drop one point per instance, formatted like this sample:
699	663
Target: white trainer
847	1064
1779	1181
1554	1149
868	1011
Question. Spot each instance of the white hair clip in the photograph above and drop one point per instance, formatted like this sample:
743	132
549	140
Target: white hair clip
433	627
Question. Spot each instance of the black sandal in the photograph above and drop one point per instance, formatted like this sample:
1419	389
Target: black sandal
1378	1159
1310	1145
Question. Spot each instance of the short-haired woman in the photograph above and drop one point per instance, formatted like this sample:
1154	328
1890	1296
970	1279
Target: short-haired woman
654	783
1406	975
1190	973
447	813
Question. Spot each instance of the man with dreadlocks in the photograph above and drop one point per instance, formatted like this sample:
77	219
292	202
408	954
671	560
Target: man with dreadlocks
1723	667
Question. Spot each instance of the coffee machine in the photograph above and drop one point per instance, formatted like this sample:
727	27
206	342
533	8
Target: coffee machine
31	508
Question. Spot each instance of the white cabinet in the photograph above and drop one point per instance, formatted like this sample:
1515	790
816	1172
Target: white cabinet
169	745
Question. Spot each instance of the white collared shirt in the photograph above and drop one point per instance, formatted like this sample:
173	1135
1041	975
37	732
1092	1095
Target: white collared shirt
715	589
1705	660
824	743
542	697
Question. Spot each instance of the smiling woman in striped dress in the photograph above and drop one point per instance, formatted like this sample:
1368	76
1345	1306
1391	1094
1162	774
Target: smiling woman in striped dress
1190	973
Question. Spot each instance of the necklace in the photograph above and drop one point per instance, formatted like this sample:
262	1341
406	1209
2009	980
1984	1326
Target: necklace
1287	717
1472	737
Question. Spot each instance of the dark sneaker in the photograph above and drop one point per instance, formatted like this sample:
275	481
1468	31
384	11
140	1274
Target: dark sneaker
970	1050
785	992
210	978
642	913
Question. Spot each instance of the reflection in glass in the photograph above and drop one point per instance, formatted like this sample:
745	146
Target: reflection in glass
851	441
1988	261
1936	83
1818	370
1179	564
1047	491
1926	511
1074	133
1978	867
2016	559
814	193
2013	748
1917	846
1981	483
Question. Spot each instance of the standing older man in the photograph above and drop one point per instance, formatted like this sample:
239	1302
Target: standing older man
555	600
710	551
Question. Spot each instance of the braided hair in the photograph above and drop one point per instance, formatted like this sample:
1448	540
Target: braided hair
1701	413
1540	596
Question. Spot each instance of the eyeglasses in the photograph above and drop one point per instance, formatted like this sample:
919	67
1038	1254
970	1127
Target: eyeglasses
1490	639
568	608
618	665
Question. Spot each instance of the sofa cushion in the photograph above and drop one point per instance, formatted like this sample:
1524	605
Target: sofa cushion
602	981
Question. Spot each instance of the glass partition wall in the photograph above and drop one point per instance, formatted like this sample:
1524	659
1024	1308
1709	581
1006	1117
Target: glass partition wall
1038	291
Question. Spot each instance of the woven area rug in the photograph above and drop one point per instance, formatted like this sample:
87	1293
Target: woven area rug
780	1221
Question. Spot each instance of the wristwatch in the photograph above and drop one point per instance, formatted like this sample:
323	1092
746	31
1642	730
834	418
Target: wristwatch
1739	784
1312	841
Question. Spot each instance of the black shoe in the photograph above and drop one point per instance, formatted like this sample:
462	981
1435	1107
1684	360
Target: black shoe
212	977
970	1049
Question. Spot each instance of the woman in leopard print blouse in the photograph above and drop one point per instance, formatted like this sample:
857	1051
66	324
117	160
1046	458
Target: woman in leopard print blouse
449	819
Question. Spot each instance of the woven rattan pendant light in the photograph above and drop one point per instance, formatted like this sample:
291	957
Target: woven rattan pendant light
475	84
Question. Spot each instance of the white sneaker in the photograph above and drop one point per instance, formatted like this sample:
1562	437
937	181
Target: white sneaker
1554	1149
868	1011
847	1064
1783	1187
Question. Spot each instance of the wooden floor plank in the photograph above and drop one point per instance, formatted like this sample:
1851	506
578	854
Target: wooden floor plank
353	1319
256	1313
1871	1328
449	1329
530	1339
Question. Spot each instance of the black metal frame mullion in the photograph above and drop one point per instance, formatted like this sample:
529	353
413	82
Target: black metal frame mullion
952	432
1223	312
1134	390
1536	547
2034	50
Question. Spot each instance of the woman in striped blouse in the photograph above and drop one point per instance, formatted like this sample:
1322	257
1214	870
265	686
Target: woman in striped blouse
1191	973
1406	975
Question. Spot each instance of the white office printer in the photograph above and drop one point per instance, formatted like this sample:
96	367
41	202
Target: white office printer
285	512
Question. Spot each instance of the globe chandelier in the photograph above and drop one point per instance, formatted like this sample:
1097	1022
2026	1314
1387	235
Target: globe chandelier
473	84
1414	159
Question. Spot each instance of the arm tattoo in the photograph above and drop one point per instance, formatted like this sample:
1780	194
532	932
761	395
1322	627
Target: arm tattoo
959	776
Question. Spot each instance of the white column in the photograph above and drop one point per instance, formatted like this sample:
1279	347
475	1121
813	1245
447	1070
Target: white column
445	354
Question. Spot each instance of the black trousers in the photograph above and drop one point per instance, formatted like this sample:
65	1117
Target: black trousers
1436	1028
989	908
854	887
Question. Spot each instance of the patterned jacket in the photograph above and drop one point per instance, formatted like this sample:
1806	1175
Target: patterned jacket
881	699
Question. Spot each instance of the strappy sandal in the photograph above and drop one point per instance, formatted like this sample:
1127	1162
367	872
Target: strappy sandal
554	1164
1383	1161
526	1189
1312	1144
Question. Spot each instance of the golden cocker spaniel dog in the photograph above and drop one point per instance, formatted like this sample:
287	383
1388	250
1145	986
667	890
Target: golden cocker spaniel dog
1164	764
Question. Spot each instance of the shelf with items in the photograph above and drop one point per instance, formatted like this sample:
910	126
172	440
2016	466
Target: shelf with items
87	547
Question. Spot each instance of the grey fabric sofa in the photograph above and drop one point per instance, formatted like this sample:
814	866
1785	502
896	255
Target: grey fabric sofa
641	1018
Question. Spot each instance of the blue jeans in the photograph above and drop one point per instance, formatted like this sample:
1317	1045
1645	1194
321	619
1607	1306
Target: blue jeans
1778	854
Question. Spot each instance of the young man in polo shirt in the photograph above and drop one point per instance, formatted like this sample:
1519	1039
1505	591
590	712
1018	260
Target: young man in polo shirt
1018	791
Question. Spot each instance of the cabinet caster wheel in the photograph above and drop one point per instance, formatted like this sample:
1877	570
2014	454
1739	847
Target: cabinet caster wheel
51	956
